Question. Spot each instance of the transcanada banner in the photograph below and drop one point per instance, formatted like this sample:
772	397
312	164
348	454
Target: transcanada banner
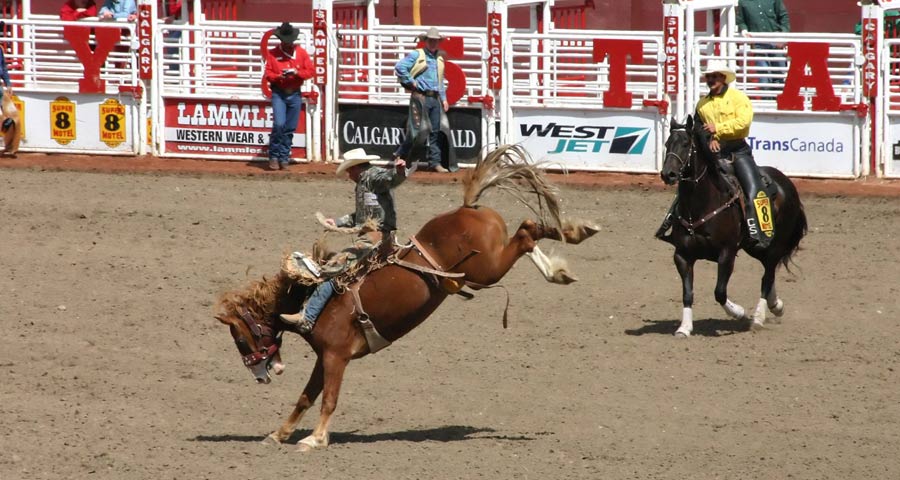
224	127
822	146
590	140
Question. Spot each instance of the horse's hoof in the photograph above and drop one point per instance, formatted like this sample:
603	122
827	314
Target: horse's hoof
778	308
304	448
271	439
681	334
756	326
563	277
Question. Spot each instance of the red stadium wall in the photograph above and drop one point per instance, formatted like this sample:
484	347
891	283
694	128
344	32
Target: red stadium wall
806	15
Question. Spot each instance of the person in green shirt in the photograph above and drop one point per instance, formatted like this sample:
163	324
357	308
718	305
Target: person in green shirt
769	16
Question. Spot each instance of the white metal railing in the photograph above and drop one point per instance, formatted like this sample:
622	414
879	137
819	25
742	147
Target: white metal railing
366	60
41	59
558	69
761	65
215	59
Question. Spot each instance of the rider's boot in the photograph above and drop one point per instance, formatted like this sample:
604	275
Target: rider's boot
760	221
667	221
298	321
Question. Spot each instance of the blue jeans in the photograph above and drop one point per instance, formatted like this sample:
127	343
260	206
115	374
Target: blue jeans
762	62
433	108
318	300
285	116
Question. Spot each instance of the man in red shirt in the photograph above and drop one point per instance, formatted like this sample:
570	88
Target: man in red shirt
287	66
77	9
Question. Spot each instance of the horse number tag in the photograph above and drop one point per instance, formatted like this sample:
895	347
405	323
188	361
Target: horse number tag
764	213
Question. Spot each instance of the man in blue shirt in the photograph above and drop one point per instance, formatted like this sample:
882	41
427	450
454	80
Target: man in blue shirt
118	9
421	72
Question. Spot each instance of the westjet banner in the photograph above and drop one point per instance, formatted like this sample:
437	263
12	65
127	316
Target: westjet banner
590	140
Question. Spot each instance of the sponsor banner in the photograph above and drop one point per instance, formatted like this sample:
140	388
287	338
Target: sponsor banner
805	145
231	128
62	120
381	129
589	140
73	122
112	123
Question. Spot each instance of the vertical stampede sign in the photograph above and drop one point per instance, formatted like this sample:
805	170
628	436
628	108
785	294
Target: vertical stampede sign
62	120
112	123
320	44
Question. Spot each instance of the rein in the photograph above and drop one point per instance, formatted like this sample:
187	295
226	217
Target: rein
690	226
260	333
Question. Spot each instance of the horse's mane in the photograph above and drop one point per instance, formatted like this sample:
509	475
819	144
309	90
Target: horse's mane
259	298
509	167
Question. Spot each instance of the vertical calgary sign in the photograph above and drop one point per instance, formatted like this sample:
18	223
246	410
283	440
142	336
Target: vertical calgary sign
870	56
495	51
145	40
320	43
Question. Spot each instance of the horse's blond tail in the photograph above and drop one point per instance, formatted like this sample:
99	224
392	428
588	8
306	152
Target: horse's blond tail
510	167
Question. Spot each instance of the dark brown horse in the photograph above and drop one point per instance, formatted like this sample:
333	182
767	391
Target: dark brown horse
708	224
467	246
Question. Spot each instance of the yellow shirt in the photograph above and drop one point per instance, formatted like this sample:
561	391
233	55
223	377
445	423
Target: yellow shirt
730	112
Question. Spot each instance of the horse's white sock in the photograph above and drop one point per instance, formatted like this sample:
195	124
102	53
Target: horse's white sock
736	311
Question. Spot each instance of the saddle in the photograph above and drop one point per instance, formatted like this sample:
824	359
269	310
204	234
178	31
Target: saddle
726	167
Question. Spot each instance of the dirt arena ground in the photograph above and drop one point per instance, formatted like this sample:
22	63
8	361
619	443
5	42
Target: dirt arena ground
112	366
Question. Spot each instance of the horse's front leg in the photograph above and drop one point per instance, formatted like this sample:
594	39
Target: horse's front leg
334	366
768	297
725	269
685	268
307	399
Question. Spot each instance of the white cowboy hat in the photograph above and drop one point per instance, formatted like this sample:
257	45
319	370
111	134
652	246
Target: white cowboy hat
720	66
357	156
432	33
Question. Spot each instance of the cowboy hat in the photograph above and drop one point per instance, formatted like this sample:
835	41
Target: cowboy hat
720	66
354	157
432	33
287	32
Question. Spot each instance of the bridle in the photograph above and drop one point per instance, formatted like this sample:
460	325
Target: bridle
684	163
262	335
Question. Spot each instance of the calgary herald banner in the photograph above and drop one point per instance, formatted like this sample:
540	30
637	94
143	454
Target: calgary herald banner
224	127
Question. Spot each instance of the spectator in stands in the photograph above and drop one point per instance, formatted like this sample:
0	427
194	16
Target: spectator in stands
118	9
374	201
287	66
171	13
73	10
421	73
764	16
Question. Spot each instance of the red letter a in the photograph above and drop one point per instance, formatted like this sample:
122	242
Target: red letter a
816	56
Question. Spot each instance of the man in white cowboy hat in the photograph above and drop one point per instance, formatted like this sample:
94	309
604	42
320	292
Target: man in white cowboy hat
374	200
287	66
421	72
726	115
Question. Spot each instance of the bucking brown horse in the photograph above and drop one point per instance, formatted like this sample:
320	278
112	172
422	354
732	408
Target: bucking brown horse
468	246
